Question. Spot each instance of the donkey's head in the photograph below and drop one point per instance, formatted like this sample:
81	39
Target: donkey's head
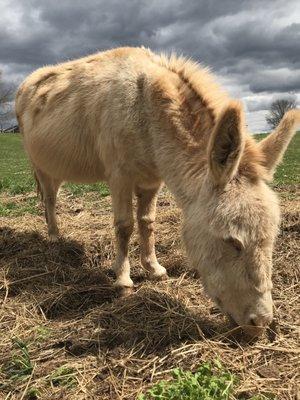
230	230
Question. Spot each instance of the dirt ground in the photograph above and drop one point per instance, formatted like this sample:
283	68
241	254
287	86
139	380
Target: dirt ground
58	298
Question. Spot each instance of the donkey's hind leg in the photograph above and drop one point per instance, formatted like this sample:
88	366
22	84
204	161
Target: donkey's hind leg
49	188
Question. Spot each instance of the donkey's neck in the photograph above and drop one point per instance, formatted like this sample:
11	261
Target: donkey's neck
182	167
183	173
181	141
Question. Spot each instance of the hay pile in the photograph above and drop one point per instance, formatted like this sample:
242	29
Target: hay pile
58	298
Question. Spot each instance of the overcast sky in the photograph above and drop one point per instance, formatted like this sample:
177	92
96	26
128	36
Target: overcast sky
253	46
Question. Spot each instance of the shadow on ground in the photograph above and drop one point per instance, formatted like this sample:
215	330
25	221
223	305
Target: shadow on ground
59	273
67	287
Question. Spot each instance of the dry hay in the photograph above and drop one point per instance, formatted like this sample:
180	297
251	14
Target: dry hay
119	347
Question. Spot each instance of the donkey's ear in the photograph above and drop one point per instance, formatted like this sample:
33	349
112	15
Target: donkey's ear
276	143
226	144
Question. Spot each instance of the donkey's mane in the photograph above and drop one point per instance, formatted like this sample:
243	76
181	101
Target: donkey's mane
209	93
196	77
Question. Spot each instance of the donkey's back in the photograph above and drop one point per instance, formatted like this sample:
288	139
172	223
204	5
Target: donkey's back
80	116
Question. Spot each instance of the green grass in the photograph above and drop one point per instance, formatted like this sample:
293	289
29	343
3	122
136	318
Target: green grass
20	366
206	383
15	209
64	376
79	190
42	333
32	393
209	382
15	173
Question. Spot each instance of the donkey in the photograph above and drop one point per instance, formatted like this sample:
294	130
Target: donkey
136	119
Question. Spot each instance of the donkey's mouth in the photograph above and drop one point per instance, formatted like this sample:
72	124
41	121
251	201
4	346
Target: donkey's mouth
243	332
250	331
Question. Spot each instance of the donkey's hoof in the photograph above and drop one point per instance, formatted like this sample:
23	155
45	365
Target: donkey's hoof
157	272
123	291
53	238
160	277
124	286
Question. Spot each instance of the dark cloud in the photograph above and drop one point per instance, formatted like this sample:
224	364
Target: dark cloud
253	46
281	81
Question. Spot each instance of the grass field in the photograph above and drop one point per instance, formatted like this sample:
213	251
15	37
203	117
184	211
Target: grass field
16	176
65	334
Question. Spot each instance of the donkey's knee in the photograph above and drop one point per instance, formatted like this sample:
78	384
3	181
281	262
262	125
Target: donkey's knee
123	230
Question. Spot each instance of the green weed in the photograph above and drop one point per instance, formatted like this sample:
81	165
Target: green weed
32	393
20	366
42	333
209	382
64	376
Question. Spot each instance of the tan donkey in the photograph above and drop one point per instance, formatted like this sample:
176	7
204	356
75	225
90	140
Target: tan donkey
135	119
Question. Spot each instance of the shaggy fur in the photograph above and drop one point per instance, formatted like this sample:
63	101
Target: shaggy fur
136	119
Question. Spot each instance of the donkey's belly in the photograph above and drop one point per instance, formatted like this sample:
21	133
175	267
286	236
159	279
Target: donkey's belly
66	162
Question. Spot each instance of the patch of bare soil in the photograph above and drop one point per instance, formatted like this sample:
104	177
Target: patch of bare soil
58	298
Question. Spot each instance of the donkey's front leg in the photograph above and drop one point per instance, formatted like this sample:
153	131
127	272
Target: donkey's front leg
146	209
123	221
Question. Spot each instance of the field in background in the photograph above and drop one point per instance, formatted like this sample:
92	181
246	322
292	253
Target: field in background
65	334
16	177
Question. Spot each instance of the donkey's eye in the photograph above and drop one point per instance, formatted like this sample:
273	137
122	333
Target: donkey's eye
234	242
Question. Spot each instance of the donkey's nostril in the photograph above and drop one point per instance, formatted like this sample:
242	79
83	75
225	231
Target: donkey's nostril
252	322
